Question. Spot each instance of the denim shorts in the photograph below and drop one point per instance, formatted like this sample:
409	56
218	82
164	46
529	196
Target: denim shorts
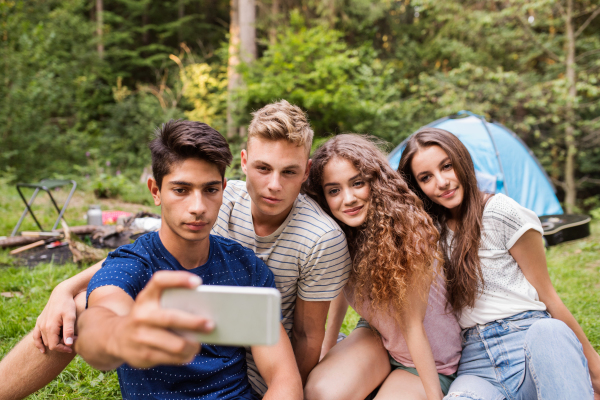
445	380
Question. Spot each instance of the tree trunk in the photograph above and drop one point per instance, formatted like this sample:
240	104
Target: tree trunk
332	13
274	20
247	12
570	185
247	30
233	78
181	14
145	36
99	27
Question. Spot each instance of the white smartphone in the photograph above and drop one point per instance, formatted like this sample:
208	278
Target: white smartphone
243	316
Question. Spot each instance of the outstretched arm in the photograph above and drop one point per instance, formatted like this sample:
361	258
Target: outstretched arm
60	313
277	366
116	329
529	253
416	339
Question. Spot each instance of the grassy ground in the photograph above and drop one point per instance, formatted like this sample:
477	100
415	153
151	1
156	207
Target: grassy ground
11	207
574	269
18	314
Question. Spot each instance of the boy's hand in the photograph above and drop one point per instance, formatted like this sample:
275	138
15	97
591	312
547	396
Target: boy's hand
143	337
66	302
58	316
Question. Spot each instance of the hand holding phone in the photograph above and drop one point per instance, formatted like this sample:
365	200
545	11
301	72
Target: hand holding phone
242	316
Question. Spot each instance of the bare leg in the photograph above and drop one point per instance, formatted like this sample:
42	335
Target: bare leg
401	385
351	369
26	370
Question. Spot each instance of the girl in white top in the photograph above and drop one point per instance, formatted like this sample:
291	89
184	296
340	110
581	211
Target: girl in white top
498	284
394	248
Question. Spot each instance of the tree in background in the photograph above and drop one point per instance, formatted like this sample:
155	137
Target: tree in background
510	62
384	67
64	95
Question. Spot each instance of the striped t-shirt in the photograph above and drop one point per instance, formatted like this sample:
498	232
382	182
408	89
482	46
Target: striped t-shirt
308	253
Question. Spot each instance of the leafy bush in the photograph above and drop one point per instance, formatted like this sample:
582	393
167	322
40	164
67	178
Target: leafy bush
342	88
106	186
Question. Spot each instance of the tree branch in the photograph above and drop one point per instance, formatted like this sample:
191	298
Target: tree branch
588	21
559	183
561	8
587	53
531	34
589	180
591	139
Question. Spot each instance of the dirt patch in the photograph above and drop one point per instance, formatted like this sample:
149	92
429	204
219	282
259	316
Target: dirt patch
33	257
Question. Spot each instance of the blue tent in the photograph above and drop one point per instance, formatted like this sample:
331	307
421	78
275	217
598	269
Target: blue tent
503	163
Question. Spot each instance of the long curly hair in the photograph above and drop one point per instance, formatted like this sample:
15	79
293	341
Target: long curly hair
397	245
462	266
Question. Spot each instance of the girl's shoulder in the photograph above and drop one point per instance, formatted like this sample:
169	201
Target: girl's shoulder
509	219
503	205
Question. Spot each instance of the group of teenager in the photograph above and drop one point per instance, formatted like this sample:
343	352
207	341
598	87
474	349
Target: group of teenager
451	283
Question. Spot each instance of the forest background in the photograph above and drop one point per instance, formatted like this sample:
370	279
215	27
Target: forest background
84	83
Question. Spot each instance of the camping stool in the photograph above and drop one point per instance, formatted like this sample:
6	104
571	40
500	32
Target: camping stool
47	185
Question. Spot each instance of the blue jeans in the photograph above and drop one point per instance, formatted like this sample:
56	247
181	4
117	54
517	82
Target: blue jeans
526	356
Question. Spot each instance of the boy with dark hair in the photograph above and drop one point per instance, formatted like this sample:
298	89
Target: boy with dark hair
301	244
124	326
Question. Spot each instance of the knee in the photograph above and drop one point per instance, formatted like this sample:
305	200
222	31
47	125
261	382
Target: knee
319	388
471	387
548	333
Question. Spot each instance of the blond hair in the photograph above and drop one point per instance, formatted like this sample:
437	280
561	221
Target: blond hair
282	120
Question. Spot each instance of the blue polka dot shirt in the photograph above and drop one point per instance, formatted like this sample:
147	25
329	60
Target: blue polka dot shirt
217	372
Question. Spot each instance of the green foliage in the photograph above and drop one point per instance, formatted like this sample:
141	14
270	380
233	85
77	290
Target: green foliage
205	87
371	66
60	100
342	88
106	186
49	84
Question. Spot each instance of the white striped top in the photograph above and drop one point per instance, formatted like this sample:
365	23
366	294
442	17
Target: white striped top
308	253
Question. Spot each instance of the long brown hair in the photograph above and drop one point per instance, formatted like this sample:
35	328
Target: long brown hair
462	267
396	246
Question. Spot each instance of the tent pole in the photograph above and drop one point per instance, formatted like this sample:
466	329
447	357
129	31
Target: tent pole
484	122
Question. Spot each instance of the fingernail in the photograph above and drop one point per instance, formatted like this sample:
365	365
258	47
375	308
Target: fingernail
195	280
69	340
41	351
209	325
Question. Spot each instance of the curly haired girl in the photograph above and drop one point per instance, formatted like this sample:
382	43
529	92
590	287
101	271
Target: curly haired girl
393	284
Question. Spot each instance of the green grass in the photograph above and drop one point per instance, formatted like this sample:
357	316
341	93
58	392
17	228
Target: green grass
18	314
11	206
574	269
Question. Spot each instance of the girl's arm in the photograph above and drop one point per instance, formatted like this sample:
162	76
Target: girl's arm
529	253
416	339
335	318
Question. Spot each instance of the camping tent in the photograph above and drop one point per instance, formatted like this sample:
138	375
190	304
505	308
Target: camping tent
503	163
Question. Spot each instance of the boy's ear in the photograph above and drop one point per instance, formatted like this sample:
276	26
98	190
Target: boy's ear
308	165
224	183
244	155
154	190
